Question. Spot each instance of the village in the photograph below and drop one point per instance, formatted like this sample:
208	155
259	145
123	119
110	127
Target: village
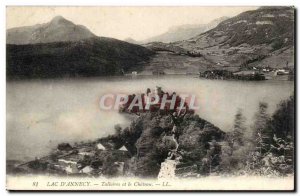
255	73
100	158
84	159
250	73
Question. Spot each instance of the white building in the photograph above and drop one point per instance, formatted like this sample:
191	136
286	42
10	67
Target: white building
86	170
123	148
100	147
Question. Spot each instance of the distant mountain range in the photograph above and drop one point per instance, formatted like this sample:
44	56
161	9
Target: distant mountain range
262	37
257	38
62	49
183	32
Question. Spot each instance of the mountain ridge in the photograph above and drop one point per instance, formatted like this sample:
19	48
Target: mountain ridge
246	38
260	38
80	55
182	32
58	29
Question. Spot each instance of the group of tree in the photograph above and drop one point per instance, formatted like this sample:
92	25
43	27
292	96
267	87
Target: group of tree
268	150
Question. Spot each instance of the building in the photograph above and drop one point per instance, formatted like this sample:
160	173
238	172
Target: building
100	146
69	165
123	148
86	170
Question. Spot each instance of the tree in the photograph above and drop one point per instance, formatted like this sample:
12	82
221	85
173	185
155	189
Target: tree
233	154
283	119
118	129
239	128
262	133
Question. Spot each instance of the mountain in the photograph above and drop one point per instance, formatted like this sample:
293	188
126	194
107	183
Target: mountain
262	37
57	30
184	32
79	54
97	56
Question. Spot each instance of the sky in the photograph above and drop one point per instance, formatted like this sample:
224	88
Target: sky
138	23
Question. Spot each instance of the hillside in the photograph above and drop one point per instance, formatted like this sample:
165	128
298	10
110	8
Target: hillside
57	30
97	56
146	144
62	49
184	32
132	41
249	38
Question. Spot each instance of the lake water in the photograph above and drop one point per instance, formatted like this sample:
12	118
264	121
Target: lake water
42	113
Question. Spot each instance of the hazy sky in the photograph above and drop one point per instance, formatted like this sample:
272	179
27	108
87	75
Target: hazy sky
138	23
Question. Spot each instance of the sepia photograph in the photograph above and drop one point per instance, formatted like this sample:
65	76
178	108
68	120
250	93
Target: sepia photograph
169	98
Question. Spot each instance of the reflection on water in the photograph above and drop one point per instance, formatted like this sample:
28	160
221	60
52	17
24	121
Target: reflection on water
42	113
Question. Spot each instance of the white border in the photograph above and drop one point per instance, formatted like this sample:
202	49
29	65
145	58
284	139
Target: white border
152	3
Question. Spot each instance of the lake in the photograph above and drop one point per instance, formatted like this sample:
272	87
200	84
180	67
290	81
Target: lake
43	113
